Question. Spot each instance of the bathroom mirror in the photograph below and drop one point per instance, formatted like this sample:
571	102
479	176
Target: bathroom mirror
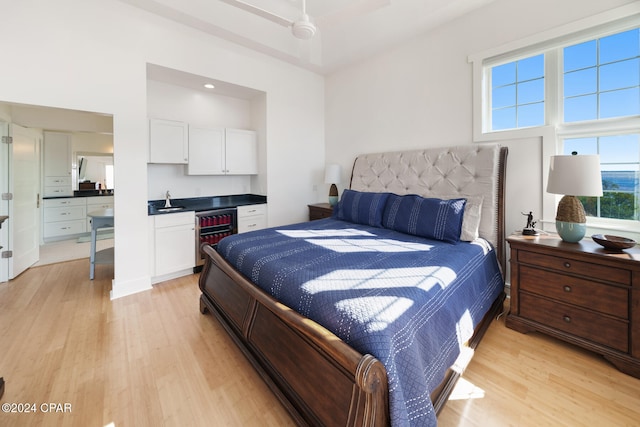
94	171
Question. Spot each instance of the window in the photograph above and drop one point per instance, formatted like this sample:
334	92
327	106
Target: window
602	78
619	160
589	91
517	94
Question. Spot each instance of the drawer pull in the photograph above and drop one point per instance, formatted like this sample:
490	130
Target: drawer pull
567	264
567	288
566	318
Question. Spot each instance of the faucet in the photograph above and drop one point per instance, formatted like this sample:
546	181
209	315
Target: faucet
167	200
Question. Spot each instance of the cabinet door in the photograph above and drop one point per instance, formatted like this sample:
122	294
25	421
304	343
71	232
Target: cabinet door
57	155
252	217
241	152
168	142
175	249
206	151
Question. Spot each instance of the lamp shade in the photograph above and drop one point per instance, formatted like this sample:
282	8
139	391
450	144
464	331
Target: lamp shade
575	175
332	173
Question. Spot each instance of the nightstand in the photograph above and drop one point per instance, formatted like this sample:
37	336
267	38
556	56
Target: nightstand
319	211
580	293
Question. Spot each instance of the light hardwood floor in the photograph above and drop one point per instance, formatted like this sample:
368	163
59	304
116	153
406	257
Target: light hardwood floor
152	359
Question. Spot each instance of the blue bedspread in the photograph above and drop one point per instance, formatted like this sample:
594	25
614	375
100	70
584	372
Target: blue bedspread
407	300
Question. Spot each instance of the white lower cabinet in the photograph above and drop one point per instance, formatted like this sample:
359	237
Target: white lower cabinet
173	247
252	217
64	217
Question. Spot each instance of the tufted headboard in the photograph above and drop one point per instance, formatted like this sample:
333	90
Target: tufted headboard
472	171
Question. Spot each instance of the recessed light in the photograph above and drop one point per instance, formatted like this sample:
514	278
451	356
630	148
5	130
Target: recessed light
209	86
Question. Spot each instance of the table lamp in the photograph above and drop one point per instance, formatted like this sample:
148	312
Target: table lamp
332	174
573	175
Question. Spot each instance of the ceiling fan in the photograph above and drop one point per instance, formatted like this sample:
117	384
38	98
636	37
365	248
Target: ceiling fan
302	28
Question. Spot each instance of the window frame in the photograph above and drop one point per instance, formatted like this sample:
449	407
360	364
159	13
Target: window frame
554	131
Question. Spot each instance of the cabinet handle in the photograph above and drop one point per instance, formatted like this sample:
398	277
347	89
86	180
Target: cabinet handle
567	264
566	318
567	288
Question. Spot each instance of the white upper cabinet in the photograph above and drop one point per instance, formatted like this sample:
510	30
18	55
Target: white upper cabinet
206	151
241	147
168	142
218	151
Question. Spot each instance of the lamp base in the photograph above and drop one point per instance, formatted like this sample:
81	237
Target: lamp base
333	195
571	232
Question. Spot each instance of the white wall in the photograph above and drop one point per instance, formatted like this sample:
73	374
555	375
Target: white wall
420	93
91	55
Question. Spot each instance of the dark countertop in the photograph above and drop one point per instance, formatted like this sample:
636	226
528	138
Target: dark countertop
199	204
83	193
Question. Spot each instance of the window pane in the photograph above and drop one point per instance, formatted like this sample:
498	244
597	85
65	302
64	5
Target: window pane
503	75
581	55
619	103
619	46
581	146
504	96
620	75
517	84
580	108
619	159
531	68
581	82
620	156
531	115
504	118
621	150
531	91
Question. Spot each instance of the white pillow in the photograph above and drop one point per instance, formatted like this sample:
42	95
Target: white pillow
471	218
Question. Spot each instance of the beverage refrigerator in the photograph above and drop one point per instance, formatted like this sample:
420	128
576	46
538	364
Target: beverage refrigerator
211	227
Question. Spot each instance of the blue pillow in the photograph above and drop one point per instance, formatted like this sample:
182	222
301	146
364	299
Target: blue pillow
433	218
362	207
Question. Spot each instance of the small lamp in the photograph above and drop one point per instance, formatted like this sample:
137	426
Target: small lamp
332	174
574	175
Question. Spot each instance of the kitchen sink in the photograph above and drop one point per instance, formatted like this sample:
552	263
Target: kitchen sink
171	209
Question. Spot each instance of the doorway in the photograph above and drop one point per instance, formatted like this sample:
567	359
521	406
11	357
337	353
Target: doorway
88	133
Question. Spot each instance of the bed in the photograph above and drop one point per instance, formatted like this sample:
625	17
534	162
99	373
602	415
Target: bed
369	317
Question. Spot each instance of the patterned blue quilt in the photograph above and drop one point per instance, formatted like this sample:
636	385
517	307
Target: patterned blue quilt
407	300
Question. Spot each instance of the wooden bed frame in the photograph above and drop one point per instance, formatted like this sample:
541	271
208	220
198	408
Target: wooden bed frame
318	378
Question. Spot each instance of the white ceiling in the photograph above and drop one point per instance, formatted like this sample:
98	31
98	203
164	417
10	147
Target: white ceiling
348	30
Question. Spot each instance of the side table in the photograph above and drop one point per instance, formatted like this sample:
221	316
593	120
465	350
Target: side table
319	211
580	293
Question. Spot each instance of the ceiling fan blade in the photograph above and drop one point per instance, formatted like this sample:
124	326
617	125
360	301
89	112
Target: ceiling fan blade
260	12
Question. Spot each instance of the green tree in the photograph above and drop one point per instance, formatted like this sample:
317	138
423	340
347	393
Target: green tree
613	204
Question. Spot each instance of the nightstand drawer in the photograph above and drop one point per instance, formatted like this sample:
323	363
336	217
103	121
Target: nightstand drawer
567	265
581	323
320	211
573	290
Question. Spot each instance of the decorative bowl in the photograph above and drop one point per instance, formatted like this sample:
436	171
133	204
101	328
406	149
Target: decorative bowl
613	242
